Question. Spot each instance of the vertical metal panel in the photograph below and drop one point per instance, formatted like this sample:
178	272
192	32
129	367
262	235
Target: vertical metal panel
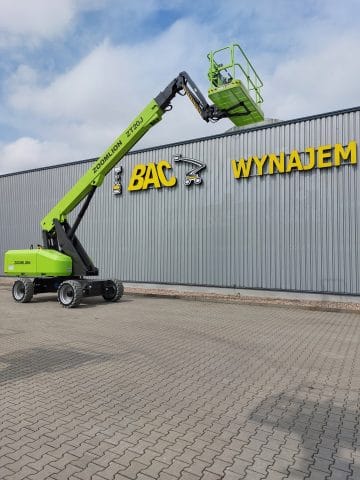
297	231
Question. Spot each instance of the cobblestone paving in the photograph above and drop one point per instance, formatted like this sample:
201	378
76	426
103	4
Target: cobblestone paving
169	389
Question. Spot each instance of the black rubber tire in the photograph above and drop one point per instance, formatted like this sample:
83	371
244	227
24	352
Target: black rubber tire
114	290
70	293
23	290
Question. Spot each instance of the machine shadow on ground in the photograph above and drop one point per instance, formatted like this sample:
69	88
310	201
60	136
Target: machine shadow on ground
318	430
89	302
24	364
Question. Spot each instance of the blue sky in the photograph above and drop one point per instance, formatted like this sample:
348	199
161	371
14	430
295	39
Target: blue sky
73	73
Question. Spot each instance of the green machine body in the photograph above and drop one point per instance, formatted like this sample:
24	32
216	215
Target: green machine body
39	262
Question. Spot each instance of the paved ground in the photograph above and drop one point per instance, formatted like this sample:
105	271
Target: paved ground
164	389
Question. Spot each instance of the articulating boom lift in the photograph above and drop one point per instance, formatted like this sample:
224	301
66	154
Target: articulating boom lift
62	264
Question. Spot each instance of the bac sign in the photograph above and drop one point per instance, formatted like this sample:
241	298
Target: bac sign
151	175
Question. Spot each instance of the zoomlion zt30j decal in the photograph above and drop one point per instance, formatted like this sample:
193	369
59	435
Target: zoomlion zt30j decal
193	175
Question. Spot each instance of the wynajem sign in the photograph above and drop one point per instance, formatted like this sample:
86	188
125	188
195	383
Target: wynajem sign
158	175
324	156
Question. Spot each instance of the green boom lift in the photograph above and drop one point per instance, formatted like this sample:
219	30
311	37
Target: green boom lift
62	264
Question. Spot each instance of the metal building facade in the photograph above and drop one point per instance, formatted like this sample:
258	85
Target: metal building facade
290	231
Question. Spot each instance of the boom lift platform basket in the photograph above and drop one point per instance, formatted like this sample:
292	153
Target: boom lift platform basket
235	87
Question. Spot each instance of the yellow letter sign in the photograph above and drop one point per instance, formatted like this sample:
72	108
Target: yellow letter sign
151	175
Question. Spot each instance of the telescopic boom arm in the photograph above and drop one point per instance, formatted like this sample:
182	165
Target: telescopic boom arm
57	233
151	114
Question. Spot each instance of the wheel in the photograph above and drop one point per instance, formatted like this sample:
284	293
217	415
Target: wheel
187	182
23	290
198	181
113	290
70	293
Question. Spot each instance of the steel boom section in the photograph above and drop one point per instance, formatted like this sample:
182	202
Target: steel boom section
94	177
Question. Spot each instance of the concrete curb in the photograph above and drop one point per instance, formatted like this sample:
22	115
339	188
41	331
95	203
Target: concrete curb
246	300
205	295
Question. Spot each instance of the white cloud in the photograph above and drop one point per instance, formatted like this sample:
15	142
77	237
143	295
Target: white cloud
321	78
87	107
31	21
27	23
26	153
111	80
80	112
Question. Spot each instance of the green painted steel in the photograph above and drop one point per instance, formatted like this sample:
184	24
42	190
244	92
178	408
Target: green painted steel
235	85
226	96
37	263
151	114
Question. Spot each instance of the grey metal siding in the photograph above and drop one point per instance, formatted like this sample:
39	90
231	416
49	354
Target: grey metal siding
296	231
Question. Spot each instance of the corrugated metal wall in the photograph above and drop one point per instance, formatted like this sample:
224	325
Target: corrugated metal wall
295	231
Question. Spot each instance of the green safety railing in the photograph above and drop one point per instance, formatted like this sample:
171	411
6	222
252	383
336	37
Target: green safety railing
238	68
